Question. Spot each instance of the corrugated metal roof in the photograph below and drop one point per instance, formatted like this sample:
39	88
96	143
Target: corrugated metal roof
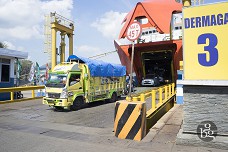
13	53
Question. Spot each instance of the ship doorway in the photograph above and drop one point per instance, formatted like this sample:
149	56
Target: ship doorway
159	64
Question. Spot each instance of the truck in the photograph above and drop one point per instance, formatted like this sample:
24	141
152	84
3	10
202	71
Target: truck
81	80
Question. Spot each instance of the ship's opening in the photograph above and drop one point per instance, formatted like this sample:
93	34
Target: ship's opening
159	64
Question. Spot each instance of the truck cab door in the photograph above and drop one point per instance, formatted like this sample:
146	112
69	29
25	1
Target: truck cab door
75	83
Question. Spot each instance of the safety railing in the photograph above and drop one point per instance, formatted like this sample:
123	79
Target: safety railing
16	89
158	96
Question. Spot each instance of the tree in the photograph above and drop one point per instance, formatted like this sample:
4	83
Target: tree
3	45
25	68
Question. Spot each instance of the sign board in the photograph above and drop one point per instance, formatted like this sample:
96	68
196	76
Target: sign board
206	42
134	31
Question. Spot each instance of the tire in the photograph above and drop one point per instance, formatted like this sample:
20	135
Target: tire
114	97
78	102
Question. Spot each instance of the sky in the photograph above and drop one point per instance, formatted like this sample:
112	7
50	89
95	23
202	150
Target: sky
97	25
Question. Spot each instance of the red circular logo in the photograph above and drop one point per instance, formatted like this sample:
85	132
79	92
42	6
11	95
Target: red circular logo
134	31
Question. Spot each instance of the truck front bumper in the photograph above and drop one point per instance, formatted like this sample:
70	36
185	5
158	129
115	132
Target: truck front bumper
56	102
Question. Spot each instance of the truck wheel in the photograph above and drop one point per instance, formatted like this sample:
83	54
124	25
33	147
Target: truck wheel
113	98
76	104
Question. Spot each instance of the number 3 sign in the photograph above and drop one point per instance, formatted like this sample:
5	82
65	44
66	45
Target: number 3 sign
205	45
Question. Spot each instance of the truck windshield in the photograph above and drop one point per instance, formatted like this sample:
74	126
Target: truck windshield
56	80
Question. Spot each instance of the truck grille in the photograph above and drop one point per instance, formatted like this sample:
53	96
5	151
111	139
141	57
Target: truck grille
53	95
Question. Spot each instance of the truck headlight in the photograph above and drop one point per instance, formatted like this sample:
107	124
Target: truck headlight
64	93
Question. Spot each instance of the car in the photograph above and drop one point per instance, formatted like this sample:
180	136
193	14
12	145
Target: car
150	80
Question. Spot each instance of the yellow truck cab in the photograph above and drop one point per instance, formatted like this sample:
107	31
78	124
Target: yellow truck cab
81	80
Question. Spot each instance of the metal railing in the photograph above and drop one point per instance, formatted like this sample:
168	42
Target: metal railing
16	89
159	95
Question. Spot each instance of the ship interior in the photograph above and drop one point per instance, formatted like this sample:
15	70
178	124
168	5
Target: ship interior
158	63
